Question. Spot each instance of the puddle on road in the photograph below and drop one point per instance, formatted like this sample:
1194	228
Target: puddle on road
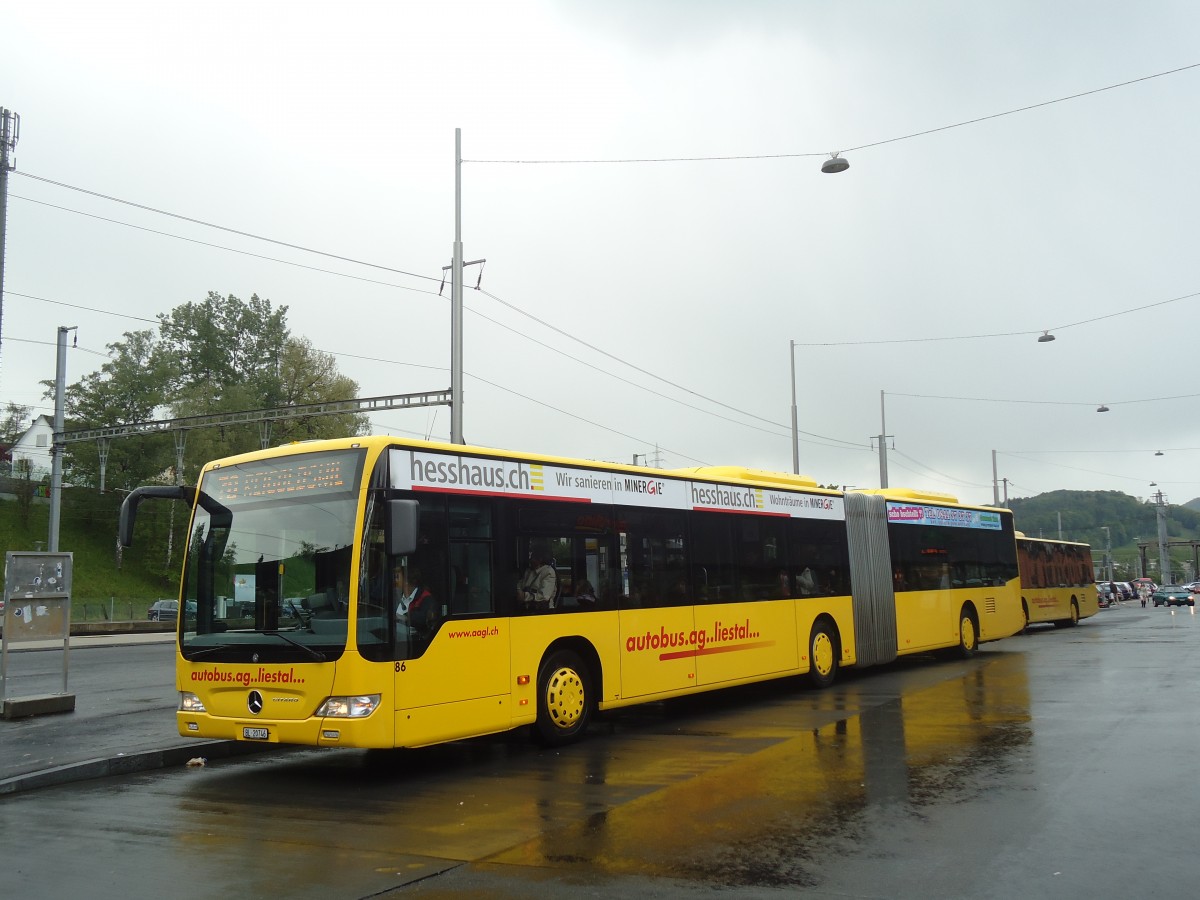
768	818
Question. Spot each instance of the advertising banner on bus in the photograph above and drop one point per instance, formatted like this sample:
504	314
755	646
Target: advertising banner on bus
951	517
421	471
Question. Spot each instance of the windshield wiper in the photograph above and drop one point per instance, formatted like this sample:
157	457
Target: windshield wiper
315	654
216	648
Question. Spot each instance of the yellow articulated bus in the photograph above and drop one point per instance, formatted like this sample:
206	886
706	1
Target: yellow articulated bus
378	592
1056	581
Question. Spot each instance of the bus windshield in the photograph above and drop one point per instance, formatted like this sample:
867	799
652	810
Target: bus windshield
267	575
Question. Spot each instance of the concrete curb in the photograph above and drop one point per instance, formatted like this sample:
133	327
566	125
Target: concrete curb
128	763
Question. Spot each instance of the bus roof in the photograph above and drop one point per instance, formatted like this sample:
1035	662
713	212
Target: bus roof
736	474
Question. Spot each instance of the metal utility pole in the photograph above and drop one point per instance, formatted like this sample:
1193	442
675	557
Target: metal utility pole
795	418
995	482
1164	553
456	303
10	133
56	451
883	436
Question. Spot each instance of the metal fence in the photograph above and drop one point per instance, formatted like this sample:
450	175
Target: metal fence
112	609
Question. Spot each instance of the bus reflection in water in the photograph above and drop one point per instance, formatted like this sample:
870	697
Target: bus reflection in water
766	817
666	583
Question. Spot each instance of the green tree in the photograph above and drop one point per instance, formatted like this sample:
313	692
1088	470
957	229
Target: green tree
23	489
225	352
222	355
306	375
129	389
12	422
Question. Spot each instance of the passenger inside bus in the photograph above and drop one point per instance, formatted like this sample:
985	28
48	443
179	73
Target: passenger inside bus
538	587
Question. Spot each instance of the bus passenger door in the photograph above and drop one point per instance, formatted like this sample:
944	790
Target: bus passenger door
657	651
747	626
452	670
658	636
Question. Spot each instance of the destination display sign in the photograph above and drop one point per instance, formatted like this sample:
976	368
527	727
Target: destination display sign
304	475
423	471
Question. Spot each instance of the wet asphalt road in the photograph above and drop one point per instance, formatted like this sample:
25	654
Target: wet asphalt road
1061	763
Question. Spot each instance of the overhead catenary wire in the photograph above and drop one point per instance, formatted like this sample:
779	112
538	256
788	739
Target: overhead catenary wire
980	119
853	149
226	228
1081	469
1043	402
285	262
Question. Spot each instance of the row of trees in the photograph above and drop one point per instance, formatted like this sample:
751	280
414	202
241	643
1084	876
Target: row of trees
221	355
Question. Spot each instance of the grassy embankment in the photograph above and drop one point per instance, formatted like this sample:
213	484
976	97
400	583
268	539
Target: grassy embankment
88	529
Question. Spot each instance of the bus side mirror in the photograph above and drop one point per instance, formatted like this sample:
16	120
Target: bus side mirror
130	504
403	518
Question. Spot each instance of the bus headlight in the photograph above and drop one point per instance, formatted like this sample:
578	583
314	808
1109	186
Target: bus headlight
349	707
189	702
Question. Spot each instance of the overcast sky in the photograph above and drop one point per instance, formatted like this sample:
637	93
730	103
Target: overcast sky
647	307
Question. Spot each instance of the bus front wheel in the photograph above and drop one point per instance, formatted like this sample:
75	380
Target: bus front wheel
968	633
564	699
822	655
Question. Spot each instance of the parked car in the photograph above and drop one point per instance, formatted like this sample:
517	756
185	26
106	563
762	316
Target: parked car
1102	600
163	611
168	610
1193	586
1173	595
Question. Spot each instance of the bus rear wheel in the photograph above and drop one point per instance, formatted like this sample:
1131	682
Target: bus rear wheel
1074	620
822	655
968	633
564	699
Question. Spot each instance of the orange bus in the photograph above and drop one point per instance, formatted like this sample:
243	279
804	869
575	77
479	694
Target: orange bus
1057	584
307	565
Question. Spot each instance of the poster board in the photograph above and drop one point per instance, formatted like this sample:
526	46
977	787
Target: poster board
37	603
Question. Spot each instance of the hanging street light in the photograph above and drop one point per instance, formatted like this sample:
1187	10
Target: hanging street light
834	164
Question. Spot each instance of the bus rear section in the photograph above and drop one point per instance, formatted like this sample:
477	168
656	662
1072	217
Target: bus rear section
1057	583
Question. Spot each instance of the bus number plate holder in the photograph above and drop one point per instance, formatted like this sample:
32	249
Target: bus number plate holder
255	734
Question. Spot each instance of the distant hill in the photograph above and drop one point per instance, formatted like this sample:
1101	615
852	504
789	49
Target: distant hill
1084	512
1129	519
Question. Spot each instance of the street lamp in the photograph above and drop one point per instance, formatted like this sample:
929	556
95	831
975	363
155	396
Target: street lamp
834	164
831	166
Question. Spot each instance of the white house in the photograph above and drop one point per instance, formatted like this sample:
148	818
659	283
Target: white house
34	445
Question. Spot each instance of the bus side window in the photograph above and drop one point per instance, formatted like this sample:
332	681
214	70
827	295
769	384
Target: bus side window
471	591
653	557
471	574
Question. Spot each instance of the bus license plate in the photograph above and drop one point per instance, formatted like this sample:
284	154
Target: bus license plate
255	734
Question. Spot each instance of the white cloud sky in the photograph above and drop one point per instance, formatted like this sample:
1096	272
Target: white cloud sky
332	127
